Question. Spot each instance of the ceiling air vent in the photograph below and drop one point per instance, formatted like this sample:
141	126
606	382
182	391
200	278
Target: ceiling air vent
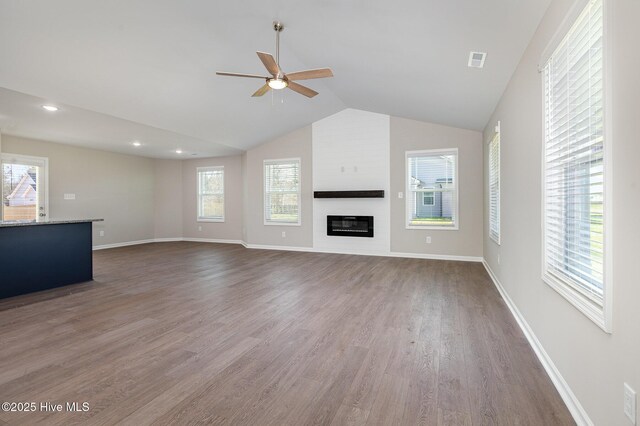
476	59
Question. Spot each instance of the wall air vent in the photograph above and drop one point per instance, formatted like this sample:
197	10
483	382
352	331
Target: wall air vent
476	59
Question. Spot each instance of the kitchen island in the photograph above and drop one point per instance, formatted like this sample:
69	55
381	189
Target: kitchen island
39	255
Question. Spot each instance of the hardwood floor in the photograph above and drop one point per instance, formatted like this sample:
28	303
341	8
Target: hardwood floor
184	333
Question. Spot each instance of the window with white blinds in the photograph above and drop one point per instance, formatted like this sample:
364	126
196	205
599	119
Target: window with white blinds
494	188
282	192
211	194
573	162
432	189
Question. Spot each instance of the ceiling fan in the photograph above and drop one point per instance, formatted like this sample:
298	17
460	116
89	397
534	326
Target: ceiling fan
278	79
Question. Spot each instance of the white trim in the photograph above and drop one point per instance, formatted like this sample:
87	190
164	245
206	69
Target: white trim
361	253
166	240
407	204
561	32
571	401
124	244
295	248
211	240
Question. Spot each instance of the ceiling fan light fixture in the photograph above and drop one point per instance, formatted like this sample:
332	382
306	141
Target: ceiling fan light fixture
277	83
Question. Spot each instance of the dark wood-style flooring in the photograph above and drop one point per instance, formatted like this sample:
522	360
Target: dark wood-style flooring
184	333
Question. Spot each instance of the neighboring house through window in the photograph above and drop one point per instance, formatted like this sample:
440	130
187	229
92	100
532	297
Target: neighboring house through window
211	194
282	192
432	189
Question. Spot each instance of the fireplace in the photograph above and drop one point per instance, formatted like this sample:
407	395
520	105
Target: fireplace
350	226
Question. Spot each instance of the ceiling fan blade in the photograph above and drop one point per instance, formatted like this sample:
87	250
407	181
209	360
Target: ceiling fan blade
309	74
303	90
269	63
235	74
261	91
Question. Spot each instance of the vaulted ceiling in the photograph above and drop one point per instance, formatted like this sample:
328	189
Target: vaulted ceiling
150	65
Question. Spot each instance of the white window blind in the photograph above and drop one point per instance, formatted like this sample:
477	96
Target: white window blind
211	194
282	191
494	188
432	189
573	159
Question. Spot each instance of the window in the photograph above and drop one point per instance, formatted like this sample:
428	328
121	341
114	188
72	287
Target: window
432	189
574	165
211	194
428	198
282	192
494	186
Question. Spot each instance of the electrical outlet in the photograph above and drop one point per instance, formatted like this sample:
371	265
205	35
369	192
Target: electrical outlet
102	233
498	259
284	234
400	194
630	403
199	228
428	240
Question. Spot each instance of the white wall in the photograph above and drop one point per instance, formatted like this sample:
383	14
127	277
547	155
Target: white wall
593	363
351	152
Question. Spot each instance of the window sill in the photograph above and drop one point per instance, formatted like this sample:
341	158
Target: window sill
580	301
200	219
267	223
439	227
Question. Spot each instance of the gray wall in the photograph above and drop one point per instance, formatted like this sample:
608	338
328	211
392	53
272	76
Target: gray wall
296	144
411	135
168	190
231	228
594	364
118	188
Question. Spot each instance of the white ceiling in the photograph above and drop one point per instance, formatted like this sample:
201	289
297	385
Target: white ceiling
149	65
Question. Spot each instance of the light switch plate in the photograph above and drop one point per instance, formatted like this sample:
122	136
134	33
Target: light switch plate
400	194
69	196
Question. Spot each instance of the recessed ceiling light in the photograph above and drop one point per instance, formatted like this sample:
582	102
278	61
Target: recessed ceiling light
51	108
136	143
178	151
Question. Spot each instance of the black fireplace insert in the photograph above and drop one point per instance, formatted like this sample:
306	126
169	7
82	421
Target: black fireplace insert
350	226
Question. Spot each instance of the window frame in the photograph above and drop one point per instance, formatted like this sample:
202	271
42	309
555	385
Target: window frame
599	313
408	192
268	222
496	238
199	194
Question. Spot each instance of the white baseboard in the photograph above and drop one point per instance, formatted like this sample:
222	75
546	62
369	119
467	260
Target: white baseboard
573	404
294	248
124	244
212	240
166	240
361	253
436	256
